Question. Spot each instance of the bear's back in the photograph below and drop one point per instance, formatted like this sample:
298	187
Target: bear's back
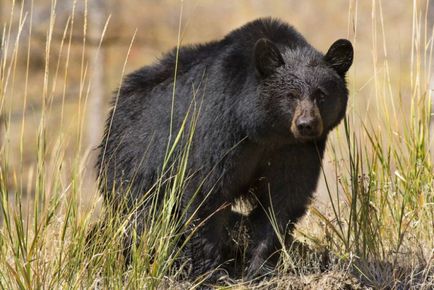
236	46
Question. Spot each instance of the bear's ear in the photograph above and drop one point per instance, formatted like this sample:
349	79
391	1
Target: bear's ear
340	56
267	57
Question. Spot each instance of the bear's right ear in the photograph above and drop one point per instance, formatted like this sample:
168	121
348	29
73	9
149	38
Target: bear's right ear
267	57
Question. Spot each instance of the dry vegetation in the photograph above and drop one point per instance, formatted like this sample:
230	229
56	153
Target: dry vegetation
372	224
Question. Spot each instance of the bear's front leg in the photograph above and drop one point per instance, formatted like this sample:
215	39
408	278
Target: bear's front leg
270	232
287	182
208	239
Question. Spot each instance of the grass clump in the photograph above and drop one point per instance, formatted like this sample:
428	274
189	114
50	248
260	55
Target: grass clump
377	226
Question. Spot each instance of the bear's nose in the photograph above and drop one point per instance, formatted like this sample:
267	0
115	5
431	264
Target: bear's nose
305	126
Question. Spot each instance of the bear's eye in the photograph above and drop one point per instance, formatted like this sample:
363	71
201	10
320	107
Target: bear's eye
291	96
320	96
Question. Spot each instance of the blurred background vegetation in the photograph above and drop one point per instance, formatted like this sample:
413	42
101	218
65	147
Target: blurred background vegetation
61	62
74	30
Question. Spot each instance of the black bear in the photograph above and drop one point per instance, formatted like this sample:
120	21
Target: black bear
268	100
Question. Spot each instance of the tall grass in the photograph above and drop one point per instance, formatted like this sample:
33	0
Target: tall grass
379	222
382	200
45	240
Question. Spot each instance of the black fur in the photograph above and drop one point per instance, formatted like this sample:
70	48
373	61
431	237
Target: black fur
250	85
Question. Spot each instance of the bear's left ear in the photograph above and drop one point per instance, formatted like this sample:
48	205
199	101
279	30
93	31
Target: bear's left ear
340	56
267	57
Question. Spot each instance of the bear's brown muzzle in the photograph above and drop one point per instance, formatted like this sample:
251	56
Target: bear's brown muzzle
307	122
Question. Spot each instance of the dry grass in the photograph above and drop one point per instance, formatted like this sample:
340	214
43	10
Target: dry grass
372	224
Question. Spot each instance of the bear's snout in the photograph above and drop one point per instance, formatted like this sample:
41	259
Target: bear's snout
306	126
307	122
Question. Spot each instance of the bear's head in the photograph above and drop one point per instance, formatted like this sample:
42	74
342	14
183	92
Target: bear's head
303	92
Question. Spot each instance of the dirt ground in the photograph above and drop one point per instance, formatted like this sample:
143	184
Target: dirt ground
323	281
